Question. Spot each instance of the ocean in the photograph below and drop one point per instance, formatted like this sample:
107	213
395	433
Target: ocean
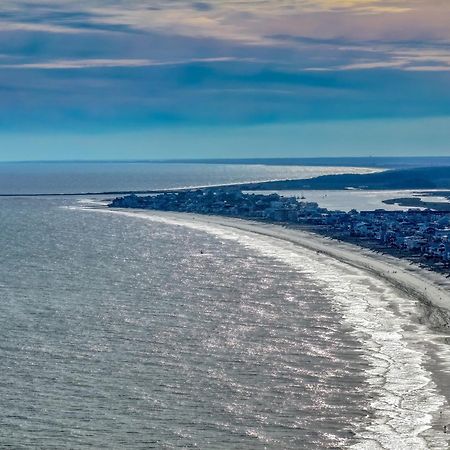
75	177
119	330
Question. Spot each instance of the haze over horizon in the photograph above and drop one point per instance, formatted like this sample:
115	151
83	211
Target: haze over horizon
206	79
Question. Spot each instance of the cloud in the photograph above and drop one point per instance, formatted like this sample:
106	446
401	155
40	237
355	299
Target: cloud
219	94
202	6
116	63
239	20
404	59
109	63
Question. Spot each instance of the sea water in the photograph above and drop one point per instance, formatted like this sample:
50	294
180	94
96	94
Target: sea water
122	331
79	177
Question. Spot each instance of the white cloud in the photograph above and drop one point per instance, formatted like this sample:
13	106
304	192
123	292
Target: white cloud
105	63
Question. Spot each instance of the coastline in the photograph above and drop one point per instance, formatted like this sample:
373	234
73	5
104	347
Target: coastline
430	288
410	404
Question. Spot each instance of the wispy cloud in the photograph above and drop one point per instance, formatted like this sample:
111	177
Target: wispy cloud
239	20
112	63
404	59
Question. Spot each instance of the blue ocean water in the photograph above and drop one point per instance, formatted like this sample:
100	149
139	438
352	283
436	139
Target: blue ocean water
63	177
122	331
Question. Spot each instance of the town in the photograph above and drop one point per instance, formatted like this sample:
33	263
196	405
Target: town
421	235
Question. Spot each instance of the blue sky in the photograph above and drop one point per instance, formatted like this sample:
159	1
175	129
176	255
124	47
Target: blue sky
176	78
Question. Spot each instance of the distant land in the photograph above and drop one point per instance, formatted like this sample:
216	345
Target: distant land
396	162
414	202
416	178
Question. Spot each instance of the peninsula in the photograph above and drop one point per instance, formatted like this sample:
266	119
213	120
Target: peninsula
393	179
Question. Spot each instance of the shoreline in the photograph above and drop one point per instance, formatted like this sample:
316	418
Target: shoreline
430	288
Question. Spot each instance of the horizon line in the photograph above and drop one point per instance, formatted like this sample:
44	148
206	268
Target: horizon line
227	160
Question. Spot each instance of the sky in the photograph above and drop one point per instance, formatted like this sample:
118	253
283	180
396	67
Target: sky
159	79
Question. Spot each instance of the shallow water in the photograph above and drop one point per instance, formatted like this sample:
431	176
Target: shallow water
346	200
